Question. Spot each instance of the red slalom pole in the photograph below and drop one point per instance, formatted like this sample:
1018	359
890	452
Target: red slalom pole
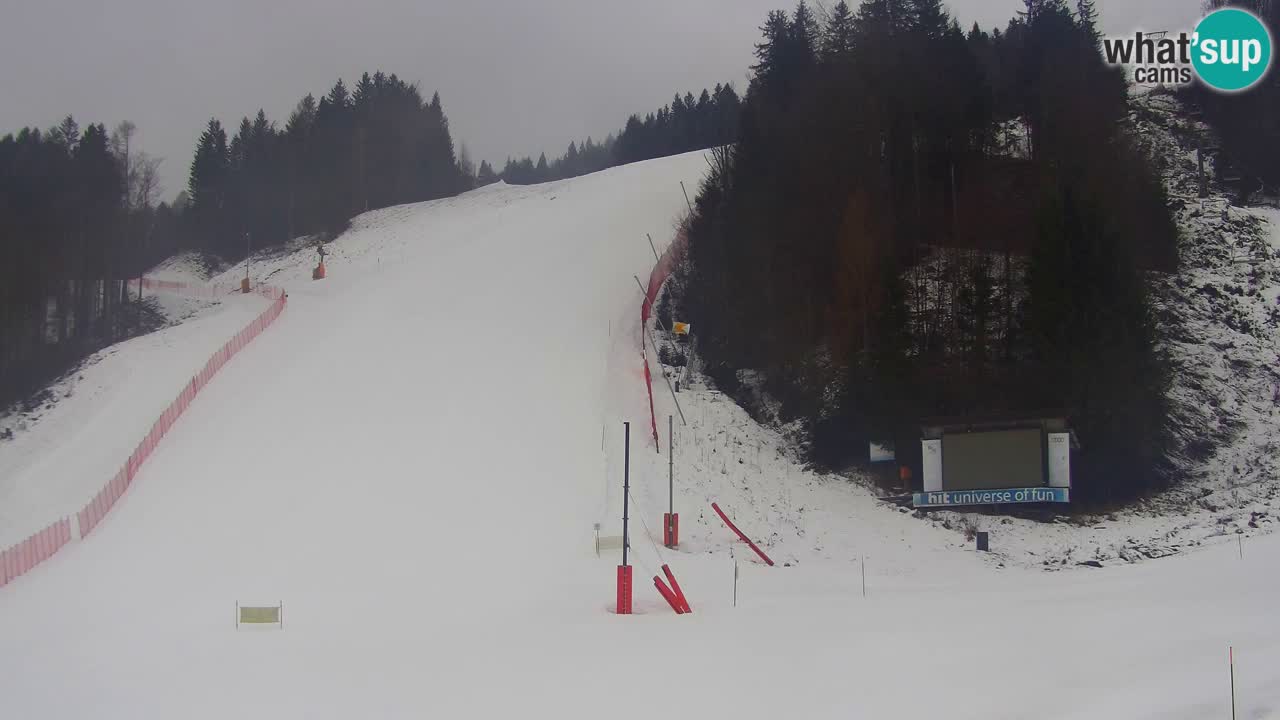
675	587
669	596
745	539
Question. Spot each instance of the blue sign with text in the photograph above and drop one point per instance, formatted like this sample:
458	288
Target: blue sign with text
1004	496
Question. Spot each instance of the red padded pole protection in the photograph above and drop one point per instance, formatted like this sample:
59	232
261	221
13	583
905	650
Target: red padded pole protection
624	590
675	587
667	595
745	539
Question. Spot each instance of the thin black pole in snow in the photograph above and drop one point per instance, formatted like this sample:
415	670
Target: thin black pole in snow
864	576
654	249
671	468
1240	543
626	487
1231	661
686	198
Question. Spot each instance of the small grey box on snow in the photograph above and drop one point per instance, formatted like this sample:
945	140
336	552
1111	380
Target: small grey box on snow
982	542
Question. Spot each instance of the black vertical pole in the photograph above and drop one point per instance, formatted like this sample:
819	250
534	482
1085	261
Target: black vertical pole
671	469
1231	658
626	487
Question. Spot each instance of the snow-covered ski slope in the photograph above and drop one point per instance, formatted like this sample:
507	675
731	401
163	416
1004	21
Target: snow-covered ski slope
411	460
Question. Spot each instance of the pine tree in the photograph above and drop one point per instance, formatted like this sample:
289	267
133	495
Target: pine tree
838	38
928	18
882	19
727	108
67	134
300	190
207	182
804	34
770	51
571	166
338	97
1087	16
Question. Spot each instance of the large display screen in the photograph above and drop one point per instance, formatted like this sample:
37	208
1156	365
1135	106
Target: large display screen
988	460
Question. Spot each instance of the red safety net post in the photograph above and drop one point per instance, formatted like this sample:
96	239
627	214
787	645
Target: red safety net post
624	590
675	587
671	529
668	595
745	539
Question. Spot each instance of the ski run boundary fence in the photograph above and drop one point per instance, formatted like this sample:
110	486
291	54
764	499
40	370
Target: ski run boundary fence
23	556
661	271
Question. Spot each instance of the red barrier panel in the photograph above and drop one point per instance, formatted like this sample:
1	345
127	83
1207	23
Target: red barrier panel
24	556
745	539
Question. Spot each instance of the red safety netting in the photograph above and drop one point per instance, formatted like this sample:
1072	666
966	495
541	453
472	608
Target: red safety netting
34	550
666	265
39	547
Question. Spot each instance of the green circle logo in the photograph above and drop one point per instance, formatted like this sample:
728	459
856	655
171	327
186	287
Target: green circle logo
1232	50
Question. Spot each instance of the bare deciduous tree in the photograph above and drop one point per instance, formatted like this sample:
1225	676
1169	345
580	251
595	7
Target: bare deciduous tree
144	181
466	166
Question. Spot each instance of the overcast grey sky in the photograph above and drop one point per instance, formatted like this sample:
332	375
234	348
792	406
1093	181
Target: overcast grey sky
517	77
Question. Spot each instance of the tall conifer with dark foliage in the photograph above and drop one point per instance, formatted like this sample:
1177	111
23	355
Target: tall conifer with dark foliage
208	187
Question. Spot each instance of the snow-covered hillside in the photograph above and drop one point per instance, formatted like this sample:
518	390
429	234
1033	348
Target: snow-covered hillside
412	460
59	451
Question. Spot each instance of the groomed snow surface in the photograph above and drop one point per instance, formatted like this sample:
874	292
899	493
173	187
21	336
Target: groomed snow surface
412	460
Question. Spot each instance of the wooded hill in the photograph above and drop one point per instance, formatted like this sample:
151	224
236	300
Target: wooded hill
918	221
